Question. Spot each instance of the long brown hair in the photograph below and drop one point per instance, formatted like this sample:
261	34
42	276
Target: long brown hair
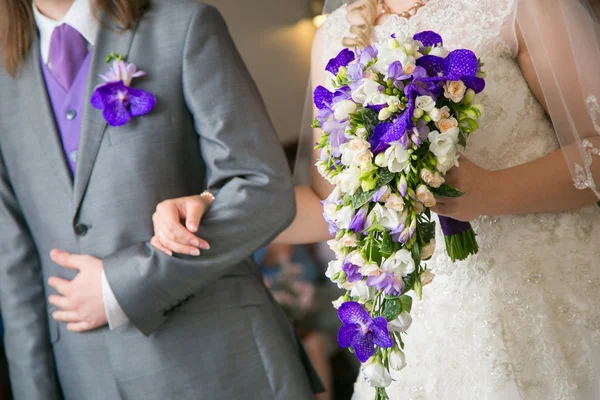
17	25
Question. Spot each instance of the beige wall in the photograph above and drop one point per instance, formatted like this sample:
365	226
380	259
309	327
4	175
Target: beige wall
274	38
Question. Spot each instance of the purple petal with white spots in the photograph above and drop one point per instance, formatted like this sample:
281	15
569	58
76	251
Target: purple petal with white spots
344	58
363	347
397	133
381	335
353	313
429	38
322	97
377	144
140	101
460	63
432	64
346	334
116	114
473	82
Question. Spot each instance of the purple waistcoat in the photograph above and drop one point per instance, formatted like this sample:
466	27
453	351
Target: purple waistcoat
68	108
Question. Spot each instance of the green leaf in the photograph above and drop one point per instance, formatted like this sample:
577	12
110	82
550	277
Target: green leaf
416	253
392	308
427	231
385	177
315	124
373	253
446	190
387	245
361	198
462	139
406	303
370	119
347	200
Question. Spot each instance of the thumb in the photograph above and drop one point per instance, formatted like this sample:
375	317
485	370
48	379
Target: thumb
65	259
194	210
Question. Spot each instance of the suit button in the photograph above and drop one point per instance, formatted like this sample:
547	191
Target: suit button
70	114
81	229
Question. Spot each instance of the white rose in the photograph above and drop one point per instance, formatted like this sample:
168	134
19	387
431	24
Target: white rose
349	240
397	360
356	152
447	124
393	101
333	268
399	263
418	113
443	144
370	269
398	158
356	258
364	93
437	180
426	175
400	324
428	250
336	247
343	109
395	203
418	207
344	217
390	219
384	114
362	291
349	180
425	103
338	303
454	90
378	99
425	196
376	374
439	52
435	114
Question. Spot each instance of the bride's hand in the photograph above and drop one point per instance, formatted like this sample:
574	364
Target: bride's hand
478	186
170	235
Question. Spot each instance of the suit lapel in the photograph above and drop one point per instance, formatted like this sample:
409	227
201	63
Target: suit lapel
93	124
41	117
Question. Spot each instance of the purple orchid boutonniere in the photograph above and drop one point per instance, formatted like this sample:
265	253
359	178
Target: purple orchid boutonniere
116	98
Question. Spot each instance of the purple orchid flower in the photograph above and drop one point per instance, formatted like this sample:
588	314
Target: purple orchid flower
429	38
118	101
386	133
367	55
358	222
388	282
352	272
460	64
322	97
361	332
344	58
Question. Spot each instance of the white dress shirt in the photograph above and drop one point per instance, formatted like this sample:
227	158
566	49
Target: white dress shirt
81	18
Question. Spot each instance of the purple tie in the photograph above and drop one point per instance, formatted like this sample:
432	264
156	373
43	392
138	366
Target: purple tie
68	49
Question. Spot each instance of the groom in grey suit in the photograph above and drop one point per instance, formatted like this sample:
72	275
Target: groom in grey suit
192	327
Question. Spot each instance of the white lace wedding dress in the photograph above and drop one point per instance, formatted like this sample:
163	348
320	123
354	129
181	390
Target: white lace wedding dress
521	320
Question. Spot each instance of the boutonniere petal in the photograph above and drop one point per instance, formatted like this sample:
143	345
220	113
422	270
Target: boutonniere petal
116	98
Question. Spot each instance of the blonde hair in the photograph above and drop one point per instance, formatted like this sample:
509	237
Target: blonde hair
365	14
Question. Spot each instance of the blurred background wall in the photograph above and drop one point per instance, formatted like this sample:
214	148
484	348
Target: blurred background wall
275	38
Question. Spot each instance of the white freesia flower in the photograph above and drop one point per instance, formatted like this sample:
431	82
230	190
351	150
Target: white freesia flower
333	268
384	114
349	180
344	217
395	203
381	160
356	258
338	303
330	211
362	291
443	144
439	52
343	109
377	374
361	133
454	90
365	93
446	162
435	114
400	324
418	113
394	102
387	218
337	247
335	195
386	56
397	360
400	263
425	103
397	157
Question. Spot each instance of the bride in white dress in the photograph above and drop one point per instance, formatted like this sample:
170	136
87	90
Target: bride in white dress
520	320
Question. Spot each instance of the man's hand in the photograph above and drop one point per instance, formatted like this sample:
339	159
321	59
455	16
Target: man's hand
80	302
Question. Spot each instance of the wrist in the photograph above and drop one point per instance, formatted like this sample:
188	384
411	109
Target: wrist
496	193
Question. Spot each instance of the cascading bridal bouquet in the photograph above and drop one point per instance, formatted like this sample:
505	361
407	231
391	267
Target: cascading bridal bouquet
392	128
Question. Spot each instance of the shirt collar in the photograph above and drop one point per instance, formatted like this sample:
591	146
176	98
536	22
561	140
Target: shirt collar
79	16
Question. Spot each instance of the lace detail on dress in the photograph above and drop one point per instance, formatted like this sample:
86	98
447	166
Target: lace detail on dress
521	320
584	178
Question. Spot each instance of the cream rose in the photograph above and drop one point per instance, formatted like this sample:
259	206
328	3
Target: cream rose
395	203
437	180
425	196
455	90
444	125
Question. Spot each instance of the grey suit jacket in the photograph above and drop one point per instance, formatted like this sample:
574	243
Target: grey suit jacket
201	328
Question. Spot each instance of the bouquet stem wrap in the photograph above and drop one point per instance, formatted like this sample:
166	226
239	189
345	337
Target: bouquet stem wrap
459	237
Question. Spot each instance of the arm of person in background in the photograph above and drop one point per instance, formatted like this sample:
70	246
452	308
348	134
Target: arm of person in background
308	226
26	337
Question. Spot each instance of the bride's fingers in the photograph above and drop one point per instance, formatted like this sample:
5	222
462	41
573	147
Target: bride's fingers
179	248
156	243
194	210
169	229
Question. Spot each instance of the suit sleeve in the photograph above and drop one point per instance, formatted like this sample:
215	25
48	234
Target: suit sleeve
26	335
246	169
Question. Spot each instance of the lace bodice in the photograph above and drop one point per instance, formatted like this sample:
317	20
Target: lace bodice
521	320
